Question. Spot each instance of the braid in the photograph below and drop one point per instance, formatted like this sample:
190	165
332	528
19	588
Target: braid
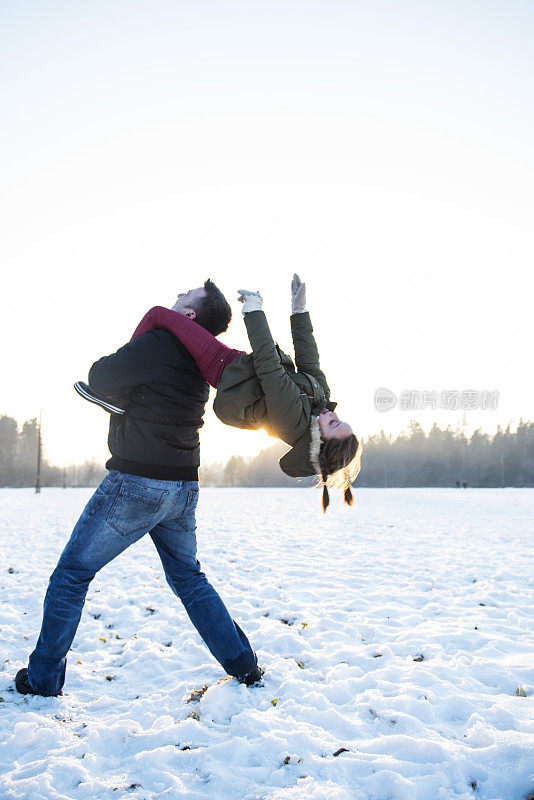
326	496
339	461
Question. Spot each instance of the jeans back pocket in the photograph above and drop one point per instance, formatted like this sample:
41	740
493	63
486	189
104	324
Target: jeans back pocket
192	497
185	507
135	508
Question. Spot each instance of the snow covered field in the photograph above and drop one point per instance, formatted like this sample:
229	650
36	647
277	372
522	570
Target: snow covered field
399	632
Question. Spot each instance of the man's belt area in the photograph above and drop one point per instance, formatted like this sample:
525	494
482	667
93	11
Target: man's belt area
161	472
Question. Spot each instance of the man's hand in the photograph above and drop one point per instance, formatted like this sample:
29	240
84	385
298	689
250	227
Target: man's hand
298	295
252	301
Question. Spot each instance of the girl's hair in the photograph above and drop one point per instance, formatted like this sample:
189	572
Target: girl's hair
340	462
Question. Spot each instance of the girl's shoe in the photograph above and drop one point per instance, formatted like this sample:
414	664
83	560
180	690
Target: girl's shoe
87	393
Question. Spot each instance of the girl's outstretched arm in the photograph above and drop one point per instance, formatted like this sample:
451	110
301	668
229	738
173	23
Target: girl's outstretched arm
287	418
306	352
210	355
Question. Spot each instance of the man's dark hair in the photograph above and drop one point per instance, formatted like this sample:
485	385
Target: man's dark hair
213	311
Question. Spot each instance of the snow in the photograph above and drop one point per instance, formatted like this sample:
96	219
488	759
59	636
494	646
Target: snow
407	633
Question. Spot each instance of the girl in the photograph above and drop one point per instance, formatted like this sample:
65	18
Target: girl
263	389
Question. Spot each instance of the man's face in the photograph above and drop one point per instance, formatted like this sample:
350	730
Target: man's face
186	301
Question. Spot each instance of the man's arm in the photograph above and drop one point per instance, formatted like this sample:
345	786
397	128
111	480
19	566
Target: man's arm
135	363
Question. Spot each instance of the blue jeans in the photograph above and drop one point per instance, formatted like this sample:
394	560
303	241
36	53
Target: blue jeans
122	510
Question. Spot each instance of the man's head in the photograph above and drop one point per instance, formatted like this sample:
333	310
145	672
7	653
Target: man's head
207	306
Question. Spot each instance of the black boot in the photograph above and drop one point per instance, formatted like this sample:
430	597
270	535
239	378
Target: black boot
22	684
251	677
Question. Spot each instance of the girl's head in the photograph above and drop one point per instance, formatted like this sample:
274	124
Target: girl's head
329	450
339	455
331	427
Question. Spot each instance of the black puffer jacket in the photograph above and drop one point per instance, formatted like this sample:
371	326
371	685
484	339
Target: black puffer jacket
158	383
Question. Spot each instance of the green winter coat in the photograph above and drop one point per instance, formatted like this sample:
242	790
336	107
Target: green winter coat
263	389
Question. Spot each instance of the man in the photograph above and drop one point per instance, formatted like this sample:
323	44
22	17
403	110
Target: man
152	487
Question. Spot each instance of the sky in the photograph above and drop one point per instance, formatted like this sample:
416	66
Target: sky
381	150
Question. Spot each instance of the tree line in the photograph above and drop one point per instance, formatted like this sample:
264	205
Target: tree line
442	457
18	460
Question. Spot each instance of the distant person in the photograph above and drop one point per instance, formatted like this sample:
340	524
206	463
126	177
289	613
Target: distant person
457	484
464	484
152	487
263	389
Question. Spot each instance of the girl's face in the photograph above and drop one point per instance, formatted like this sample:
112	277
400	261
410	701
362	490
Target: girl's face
332	427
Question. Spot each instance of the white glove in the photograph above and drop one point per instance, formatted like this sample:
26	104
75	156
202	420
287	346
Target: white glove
252	301
298	295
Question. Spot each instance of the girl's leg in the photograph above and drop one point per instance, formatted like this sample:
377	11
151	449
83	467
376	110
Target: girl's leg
211	356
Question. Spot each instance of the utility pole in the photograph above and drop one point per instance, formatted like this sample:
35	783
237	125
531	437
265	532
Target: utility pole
38	478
